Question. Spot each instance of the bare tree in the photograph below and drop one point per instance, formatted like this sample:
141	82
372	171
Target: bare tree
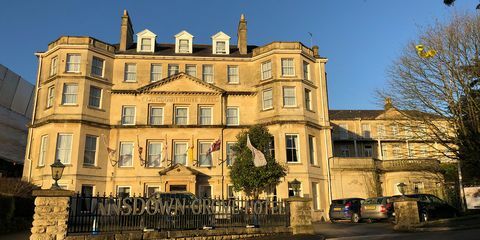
439	91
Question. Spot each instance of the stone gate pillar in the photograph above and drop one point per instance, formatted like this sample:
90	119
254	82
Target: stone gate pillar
51	214
300	215
406	213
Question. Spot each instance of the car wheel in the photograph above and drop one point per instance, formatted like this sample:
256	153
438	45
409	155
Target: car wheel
424	217
355	218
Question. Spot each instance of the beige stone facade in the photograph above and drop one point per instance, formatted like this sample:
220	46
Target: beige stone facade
374	150
123	117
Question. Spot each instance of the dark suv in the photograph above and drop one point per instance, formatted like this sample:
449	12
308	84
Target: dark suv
346	209
432	207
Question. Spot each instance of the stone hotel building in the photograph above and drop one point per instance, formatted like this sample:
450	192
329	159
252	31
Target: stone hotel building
139	116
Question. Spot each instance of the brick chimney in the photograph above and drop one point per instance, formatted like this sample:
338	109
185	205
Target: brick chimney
388	103
242	35
126	32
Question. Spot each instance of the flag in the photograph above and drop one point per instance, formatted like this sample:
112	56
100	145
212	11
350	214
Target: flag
165	150
190	152
214	147
258	157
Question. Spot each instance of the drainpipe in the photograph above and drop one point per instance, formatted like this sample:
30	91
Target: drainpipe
223	160
30	130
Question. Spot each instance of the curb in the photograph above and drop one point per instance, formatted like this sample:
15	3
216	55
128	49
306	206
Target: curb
439	229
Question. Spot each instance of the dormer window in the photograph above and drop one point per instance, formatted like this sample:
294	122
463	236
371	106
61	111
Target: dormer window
220	43
183	42
184	46
146	41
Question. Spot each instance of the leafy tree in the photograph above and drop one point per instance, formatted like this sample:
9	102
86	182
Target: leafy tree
243	174
445	86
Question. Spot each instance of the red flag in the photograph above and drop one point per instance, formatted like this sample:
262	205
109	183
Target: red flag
214	147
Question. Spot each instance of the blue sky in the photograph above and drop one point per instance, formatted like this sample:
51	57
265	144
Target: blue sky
360	38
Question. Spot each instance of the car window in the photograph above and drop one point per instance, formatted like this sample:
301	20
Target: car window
423	198
373	201
435	199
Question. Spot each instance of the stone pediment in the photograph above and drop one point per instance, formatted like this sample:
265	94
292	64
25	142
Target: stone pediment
391	113
179	170
181	83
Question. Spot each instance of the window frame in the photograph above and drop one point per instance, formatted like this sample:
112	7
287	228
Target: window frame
228	154
227	117
207	156
175	143
120	154
200	115
170	66
150	115
53	66
264	72
366	130
123	115
149	147
153	74
187	66
57	148
175	115
294	96
128	72
124	186
69	63
224	47
308	99
44	144
284	74
312	150
181	43
212	74
264	107
143	45
50	96
306	71
231	77
64	94
95	151
102	68
99	97
297	148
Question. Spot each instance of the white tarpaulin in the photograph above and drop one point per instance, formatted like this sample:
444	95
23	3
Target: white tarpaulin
258	157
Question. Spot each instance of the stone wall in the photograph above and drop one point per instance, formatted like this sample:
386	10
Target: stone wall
51	214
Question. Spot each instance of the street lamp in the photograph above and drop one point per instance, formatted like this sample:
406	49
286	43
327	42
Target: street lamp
57	172
401	188
296	187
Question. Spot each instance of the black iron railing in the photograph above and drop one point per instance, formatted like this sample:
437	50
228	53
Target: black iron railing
103	214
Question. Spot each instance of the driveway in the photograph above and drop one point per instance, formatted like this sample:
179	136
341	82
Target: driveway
347	229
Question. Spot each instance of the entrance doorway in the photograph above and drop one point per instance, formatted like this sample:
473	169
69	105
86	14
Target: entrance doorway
178	188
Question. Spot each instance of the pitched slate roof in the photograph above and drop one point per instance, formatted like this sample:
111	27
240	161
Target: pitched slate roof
199	50
372	114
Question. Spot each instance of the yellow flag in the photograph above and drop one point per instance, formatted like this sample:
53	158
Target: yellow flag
190	153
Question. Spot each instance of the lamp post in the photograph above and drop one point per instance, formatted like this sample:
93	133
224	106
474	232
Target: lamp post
401	188
57	172
296	187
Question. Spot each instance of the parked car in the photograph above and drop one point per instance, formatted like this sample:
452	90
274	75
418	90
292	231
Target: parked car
377	208
345	209
431	207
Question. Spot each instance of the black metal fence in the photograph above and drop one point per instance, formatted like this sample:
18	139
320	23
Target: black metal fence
106	214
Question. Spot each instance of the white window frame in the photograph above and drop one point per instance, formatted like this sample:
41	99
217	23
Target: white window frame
145	47
54	66
199	153
123	115
182	48
95	67
175	115
69	154
306	71
219	50
73	66
148	164
233	78
175	143
294	96
129	72
220	37
380	130
170	67
150	115
238	116
156	76
265	106
50	96
191	66
308	99
120	152
297	147
205	75
95	150
64	94
316	196
284	67
229	160
99	98
42	156
147	186
366	130
266	70
200	115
